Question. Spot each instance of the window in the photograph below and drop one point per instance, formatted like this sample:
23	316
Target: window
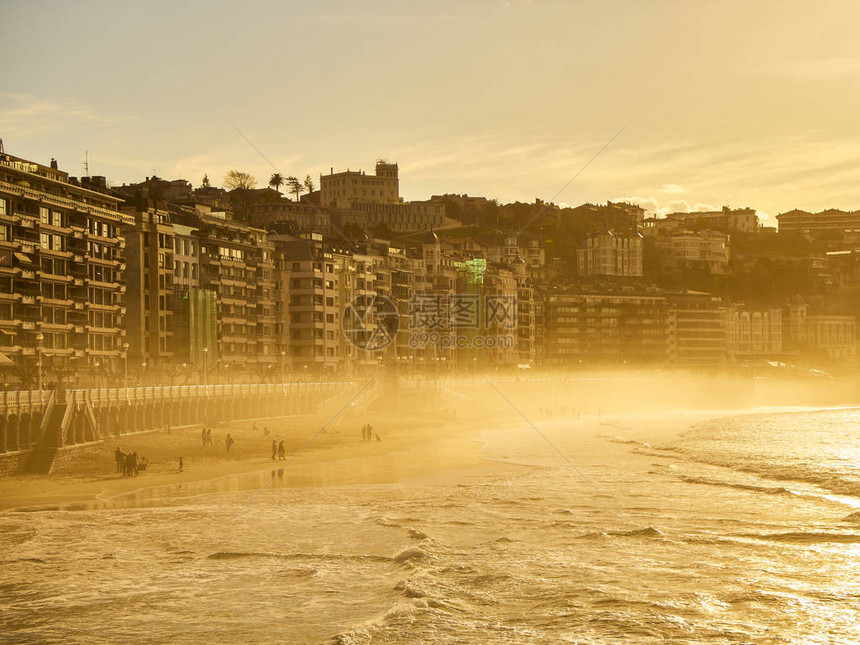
3	210
4	231
44	215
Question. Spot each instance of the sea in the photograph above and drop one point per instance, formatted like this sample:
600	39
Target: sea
741	528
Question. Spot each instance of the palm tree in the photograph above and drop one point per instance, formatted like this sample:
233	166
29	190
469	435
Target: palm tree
276	181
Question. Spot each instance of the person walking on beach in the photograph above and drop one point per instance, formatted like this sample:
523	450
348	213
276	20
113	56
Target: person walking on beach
274	448
203	435
209	436
180	464
120	459
282	451
228	442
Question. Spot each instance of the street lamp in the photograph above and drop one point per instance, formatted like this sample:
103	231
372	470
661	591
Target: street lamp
205	365
39	338
125	367
283	366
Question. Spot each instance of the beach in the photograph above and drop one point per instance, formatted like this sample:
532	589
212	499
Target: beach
611	528
408	448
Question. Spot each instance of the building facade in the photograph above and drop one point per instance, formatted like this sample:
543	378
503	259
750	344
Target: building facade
584	329
609	254
706	249
342	189
61	271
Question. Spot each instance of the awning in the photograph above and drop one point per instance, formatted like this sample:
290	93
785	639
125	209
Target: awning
23	257
5	360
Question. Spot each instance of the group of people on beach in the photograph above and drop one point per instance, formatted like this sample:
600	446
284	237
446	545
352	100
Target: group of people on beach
280	449
206	436
129	464
367	433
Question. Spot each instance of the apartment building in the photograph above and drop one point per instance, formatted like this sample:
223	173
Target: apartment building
311	293
61	270
609	254
149	237
827	224
697	329
704	249
728	220
237	263
585	329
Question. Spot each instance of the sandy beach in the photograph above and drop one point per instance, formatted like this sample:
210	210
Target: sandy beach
409	448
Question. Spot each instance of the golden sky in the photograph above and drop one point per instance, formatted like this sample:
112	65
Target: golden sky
738	103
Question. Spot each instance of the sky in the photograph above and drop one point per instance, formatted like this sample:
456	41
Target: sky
674	105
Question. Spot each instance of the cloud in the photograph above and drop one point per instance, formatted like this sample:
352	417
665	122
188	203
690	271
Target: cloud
656	208
673	189
25	115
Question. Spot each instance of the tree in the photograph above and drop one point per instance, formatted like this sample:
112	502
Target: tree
205	182
276	181
238	179
295	186
309	184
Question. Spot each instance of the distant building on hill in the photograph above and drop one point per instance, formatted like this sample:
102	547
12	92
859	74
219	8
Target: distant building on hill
707	249
609	254
727	220
377	197
828	225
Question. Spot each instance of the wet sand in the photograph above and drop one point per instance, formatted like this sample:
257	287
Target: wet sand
410	449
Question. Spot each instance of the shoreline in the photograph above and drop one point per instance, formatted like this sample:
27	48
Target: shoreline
412	450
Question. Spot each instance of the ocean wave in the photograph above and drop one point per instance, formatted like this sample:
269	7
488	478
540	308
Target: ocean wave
770	490
415	534
332	557
411	554
30	560
648	531
804	537
853	518
629	442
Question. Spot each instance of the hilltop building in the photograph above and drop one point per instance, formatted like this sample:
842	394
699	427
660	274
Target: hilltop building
609	254
377	199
